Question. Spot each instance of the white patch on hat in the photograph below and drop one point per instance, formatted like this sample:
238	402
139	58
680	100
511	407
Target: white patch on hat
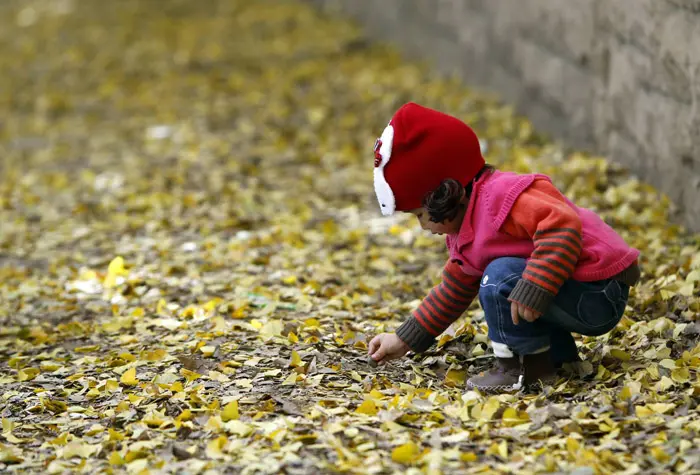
387	202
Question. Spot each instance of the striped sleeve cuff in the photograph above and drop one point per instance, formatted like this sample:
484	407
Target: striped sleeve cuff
531	296
415	336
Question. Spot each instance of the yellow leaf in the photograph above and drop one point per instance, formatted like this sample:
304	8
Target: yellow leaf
134	399
500	449
661	407
295	360
54	405
129	377
237	427
271	329
61	439
8	425
208	350
406	453
490	408
659	454
12	439
215	446
664	384
668	364
572	445
291	379
78	449
292	337
311	323
116	266
230	411
211	305
643	411
625	394
86	349
116	459
468	457
620	355
153	419
687	290
666	294
368	407
185	415
114	435
128	357
115	269
49	366
154	355
111	385
374	394
189	375
244	383
455	378
27	374
680	375
138	312
511	417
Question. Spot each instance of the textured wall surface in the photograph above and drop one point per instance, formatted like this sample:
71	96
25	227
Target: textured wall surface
619	77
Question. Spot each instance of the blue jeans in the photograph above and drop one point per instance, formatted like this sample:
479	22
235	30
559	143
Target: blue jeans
587	308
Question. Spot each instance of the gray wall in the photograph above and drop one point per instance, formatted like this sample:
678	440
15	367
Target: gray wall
619	77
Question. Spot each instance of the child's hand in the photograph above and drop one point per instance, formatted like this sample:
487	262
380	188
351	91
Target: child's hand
387	346
517	310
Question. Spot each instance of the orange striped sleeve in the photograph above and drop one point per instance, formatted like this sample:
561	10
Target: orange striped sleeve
445	303
541	213
448	300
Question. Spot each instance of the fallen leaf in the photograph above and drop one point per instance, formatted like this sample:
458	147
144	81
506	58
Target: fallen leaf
230	411
129	377
406	454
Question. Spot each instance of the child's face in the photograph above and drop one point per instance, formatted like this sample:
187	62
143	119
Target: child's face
446	227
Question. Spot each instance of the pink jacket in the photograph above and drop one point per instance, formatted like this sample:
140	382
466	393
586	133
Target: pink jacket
604	253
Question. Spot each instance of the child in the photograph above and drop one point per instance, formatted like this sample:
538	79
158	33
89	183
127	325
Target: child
542	266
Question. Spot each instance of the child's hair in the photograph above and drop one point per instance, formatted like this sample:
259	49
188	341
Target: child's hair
443	203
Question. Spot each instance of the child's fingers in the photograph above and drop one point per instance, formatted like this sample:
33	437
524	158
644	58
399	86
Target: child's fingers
514	312
379	355
530	315
374	344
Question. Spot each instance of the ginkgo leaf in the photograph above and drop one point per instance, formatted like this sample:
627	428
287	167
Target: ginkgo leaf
407	453
271	329
129	377
368	407
620	355
661	408
238	428
116	459
230	411
295	360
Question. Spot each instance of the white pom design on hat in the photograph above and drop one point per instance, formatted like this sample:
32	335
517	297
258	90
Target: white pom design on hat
382	154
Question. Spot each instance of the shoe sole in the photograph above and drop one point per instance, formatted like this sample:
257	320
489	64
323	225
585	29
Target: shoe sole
510	389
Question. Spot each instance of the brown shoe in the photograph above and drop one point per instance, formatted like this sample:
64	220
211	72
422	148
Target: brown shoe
512	375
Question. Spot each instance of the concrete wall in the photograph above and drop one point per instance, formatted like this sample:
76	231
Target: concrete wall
619	77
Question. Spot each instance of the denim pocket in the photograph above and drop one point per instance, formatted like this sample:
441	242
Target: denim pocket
600	310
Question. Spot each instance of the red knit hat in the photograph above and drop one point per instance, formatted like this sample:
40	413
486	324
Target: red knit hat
425	147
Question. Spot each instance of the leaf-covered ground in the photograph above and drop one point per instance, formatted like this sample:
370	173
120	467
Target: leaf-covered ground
192	262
